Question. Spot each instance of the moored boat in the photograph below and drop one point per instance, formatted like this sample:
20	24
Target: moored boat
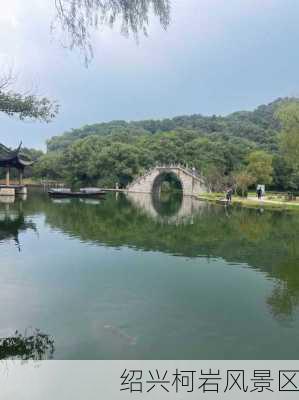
84	192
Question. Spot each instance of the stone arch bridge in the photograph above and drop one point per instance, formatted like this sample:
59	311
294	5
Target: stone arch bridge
192	183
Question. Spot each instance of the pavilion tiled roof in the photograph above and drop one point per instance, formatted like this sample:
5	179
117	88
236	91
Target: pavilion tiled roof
13	158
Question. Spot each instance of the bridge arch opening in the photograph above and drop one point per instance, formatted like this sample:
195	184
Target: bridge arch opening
167	181
167	193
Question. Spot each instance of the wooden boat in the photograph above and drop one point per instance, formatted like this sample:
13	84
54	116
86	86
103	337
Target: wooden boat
83	193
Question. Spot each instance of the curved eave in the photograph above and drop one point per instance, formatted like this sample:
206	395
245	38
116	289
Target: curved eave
13	158
15	163
26	163
9	157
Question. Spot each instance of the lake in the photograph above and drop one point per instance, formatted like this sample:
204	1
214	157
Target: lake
142	277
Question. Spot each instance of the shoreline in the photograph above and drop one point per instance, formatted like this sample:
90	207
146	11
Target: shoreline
252	202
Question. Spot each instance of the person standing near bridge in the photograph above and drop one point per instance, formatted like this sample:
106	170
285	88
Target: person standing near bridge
229	194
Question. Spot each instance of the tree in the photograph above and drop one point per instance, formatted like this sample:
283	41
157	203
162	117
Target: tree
25	106
50	165
78	17
214	178
260	167
92	153
35	346
288	115
283	177
243	181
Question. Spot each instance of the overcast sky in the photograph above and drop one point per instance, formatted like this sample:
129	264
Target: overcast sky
217	56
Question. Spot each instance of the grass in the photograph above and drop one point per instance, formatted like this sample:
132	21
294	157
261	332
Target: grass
272	202
212	196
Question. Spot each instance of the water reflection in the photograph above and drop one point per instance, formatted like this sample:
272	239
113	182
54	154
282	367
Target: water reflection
171	208
182	226
168	204
12	220
188	227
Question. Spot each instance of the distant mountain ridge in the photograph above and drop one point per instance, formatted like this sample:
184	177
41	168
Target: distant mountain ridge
259	126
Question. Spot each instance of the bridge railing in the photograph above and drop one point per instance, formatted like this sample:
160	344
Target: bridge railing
182	167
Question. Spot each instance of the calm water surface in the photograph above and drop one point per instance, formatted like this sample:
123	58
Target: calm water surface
149	278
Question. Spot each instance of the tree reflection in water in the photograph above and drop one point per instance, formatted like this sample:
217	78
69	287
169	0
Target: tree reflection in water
267	242
13	222
34	346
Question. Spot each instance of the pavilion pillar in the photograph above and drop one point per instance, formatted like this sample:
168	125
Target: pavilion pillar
20	177
7	176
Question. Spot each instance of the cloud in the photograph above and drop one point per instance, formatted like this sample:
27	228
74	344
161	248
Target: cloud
216	57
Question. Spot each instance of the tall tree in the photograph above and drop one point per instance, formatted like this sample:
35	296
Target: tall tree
288	115
243	181
79	17
260	166
24	106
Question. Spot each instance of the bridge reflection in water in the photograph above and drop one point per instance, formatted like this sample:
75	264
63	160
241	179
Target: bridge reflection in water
168	207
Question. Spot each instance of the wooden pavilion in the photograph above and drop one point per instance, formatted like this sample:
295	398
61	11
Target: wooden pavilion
13	159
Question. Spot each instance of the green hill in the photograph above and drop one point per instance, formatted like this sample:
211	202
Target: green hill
217	146
259	126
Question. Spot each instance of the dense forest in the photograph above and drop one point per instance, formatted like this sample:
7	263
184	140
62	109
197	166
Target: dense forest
242	148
